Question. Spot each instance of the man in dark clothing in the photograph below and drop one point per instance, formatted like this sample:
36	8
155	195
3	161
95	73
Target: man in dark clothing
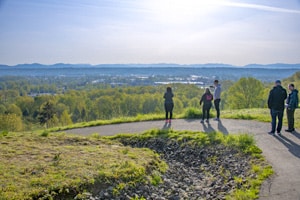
276	104
291	105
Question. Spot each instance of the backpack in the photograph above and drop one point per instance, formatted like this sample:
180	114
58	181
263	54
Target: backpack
208	97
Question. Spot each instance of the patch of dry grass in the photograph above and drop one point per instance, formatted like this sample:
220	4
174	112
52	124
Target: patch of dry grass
57	164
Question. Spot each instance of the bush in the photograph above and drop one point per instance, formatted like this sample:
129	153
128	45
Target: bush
192	113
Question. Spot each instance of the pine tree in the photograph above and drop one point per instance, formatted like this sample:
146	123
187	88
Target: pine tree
46	114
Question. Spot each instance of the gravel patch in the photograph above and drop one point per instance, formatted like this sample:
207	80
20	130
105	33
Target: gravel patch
194	172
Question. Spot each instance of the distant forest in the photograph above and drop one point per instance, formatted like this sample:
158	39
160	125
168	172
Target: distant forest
27	105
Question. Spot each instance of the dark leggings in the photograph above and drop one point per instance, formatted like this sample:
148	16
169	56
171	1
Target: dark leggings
169	109
205	111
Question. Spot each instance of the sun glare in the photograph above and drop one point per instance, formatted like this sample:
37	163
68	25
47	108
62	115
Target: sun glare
177	11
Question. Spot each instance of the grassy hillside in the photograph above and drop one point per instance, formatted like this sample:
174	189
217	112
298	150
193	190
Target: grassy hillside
60	166
57	165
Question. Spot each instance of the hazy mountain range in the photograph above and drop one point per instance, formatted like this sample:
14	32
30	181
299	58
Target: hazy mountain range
152	72
214	65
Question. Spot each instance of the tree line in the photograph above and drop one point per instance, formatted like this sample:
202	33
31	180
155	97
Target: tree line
19	111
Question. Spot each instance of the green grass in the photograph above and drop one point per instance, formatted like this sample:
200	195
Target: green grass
42	166
244	142
252	185
257	114
137	118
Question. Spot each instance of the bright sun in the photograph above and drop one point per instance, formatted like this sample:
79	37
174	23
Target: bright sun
181	11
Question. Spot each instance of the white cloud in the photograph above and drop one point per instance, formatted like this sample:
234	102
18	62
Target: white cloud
259	7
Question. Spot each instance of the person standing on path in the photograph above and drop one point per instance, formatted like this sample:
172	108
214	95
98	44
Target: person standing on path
206	99
169	105
291	104
276	99
217	98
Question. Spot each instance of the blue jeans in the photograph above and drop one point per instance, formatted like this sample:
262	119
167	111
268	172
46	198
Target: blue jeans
276	114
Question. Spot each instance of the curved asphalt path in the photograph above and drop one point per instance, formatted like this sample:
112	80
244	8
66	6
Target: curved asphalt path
282	152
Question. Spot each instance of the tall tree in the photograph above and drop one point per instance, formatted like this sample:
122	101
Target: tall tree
65	118
46	113
246	93
10	122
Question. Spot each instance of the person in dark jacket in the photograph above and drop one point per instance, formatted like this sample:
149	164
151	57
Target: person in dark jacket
169	105
291	104
276	105
206	99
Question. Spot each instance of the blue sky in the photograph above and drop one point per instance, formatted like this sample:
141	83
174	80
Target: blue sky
237	32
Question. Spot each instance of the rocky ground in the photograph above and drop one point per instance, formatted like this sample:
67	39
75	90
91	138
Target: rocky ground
194	173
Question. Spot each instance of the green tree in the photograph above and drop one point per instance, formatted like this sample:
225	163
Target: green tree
150	104
105	107
130	105
25	103
10	122
14	109
46	114
65	118
8	96
2	109
246	93
178	105
80	113
194	102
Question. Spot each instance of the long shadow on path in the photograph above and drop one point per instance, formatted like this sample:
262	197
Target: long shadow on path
207	127
291	145
222	128
296	134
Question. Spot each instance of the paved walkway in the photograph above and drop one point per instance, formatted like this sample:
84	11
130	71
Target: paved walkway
282	152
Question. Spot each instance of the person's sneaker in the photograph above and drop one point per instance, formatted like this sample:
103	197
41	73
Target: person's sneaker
288	130
207	120
217	119
170	121
278	134
202	121
167	121
271	133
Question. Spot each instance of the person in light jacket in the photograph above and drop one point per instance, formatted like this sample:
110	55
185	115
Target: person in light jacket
217	98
